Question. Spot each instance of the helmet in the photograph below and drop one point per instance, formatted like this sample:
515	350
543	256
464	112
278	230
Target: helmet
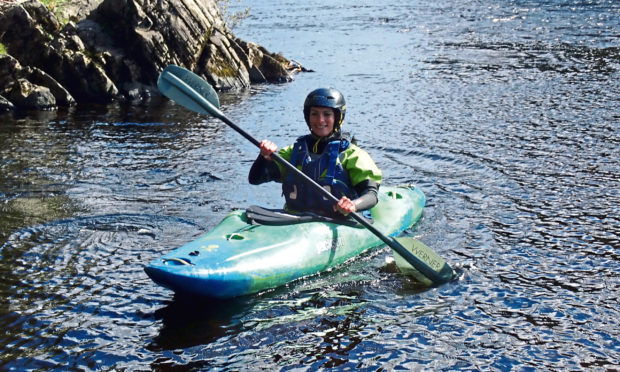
326	97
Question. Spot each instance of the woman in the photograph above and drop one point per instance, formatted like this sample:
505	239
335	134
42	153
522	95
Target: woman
326	156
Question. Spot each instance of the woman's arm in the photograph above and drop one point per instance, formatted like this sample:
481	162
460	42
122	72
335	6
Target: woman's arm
367	191
263	171
368	198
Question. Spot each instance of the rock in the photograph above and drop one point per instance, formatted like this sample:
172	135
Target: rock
6	105
30	87
26	31
187	33
270	66
115	49
24	94
39	77
9	68
76	10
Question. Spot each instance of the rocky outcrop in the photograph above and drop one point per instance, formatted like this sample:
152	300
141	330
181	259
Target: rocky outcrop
30	87
118	50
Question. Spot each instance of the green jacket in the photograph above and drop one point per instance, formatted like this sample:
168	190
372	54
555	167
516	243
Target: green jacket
356	161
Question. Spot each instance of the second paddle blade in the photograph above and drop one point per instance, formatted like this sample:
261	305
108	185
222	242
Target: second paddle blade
424	253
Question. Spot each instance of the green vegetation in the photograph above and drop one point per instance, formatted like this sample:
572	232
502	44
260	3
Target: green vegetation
232	19
222	68
52	4
2	49
55	6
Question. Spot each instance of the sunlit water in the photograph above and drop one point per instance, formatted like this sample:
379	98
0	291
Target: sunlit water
504	113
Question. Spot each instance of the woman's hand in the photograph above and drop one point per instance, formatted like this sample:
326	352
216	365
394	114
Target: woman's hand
345	206
267	148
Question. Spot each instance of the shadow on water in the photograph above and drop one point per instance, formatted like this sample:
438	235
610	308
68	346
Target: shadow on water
189	321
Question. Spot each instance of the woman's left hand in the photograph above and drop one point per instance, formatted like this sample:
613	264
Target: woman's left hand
345	206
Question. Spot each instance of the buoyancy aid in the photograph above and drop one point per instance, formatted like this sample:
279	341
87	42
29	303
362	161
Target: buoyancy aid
326	169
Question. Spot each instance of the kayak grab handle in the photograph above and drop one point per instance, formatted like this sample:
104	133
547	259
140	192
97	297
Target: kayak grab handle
177	261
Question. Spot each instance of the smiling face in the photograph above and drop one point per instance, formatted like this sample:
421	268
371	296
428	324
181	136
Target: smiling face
321	121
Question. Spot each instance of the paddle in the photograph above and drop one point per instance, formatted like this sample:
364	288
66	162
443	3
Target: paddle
192	92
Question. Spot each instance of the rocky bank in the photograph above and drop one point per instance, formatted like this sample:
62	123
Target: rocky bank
114	50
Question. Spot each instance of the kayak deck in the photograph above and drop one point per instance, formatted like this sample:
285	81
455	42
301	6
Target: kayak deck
238	257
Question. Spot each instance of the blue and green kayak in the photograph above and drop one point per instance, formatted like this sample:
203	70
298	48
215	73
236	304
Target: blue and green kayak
258	249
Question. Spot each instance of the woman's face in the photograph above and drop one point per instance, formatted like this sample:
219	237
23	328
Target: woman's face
321	121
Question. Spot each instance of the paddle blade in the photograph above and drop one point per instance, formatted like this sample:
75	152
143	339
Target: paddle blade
189	90
438	271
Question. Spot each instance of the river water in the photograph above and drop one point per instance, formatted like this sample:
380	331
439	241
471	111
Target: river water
505	113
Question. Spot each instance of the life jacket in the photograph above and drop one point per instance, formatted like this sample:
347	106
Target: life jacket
326	169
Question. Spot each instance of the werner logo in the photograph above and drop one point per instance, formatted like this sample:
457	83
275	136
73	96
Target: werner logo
427	258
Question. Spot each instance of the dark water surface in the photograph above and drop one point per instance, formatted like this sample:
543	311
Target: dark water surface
506	114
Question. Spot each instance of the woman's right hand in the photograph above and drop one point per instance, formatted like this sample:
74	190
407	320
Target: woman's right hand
267	148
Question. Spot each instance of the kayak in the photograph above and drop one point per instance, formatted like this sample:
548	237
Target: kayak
257	249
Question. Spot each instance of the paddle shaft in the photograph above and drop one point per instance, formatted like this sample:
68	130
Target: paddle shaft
211	109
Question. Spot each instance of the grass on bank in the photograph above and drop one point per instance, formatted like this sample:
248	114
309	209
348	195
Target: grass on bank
53	4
